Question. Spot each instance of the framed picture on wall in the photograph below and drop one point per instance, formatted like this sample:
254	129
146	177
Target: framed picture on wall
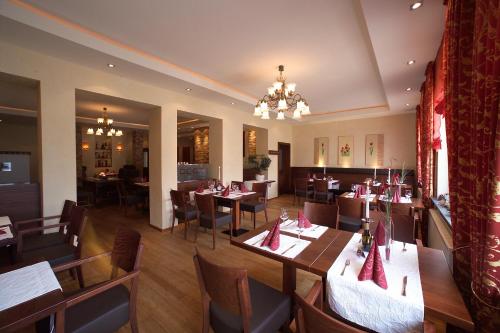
346	151
321	148
374	150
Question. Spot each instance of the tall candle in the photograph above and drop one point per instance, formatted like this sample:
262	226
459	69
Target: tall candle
367	204
324	170
219	172
389	177
375	173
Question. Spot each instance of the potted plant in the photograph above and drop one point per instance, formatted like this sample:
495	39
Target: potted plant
262	163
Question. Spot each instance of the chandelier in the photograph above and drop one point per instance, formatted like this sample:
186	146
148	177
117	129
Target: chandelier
281	97
105	125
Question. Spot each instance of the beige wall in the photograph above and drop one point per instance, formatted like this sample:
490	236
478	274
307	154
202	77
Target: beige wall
59	79
399	140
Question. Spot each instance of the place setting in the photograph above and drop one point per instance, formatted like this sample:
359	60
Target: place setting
301	226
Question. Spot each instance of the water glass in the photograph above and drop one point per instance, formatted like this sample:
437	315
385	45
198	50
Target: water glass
408	194
284	214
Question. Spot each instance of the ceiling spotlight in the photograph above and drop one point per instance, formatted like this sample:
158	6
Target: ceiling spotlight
188	89
111	65
408	89
407	104
232	103
416	5
410	62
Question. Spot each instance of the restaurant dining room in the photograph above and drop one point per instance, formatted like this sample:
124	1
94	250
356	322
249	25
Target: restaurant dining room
250	166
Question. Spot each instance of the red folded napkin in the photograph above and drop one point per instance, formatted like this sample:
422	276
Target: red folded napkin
395	178
303	221
226	192
382	188
243	188
373	269
362	189
397	195
272	239
200	189
2	232
380	233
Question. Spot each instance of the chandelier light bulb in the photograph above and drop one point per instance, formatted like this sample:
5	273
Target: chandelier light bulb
296	114
306	111
113	131
90	131
282	104
263	106
98	133
257	112
265	115
119	133
270	91
281	115
291	87
110	121
100	120
109	133
301	105
277	85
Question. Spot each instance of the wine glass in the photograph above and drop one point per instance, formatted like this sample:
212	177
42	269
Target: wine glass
284	214
353	187
408	194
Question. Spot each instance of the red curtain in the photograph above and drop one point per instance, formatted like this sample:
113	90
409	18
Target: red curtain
439	83
426	134
472	97
419	144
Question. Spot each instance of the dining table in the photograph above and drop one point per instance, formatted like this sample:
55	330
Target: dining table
29	293
416	203
443	303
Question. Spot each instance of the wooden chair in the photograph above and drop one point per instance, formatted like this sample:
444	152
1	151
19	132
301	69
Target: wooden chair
351	213
182	210
126	198
233	302
59	253
321	193
400	208
109	305
310	317
30	241
322	214
302	190
403	226
256	205
209	218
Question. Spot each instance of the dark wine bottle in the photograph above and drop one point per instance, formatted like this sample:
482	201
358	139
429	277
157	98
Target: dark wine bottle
366	239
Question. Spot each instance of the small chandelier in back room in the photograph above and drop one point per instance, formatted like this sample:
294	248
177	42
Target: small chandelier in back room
105	125
281	97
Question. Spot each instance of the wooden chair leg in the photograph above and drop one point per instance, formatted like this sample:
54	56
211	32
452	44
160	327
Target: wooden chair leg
79	274
186	226
173	224
265	213
253	218
213	237
133	320
196	232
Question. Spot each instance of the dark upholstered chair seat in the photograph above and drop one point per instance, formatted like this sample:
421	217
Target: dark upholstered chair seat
252	206
348	223
187	214
36	242
55	255
105	312
221	218
270	309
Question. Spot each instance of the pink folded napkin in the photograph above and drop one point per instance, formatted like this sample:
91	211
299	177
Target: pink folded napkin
397	195
395	178
373	269
243	188
226	192
200	189
380	233
272	239
360	190
2	232
303	221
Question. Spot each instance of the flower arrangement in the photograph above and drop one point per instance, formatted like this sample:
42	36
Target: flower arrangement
404	173
261	162
371	148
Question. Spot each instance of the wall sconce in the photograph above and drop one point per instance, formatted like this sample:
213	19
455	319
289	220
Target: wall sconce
85	146
119	147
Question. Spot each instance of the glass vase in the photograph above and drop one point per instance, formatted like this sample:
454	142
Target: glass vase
388	237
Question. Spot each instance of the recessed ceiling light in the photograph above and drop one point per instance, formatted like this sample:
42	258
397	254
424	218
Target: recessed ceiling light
407	104
188	89
232	103
410	62
416	5
111	65
408	89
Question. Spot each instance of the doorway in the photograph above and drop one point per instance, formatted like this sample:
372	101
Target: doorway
284	170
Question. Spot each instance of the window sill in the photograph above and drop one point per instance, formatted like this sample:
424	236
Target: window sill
443	211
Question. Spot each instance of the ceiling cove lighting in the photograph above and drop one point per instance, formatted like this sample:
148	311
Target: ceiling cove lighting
111	65
104	125
281	97
416	5
410	62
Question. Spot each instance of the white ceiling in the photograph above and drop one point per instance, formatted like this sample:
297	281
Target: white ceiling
347	57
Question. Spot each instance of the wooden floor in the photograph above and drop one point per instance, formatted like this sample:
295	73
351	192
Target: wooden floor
169	297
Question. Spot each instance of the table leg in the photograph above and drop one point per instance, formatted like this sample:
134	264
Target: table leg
289	279
236	214
60	321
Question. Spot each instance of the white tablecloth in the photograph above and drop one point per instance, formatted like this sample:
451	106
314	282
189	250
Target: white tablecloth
402	199
291	226
286	243
362	196
365	303
4	220
26	283
7	234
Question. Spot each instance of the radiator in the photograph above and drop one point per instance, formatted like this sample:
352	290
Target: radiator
439	236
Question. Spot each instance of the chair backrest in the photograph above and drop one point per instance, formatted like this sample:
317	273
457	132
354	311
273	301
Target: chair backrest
76	226
321	185
403	226
66	213
226	286
350	207
127	249
322	214
311	319
260	189
205	204
397	208
301	184
179	198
